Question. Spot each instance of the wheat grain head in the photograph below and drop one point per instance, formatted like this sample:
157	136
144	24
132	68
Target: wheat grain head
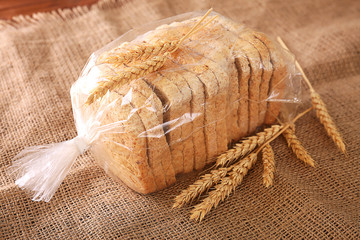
225	188
247	145
296	146
142	52
269	165
200	186
131	73
327	121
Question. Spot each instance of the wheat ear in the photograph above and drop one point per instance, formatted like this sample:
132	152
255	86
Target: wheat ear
146	50
200	186
141	69
327	121
225	188
295	145
131	73
247	145
320	107
139	52
269	165
208	180
236	174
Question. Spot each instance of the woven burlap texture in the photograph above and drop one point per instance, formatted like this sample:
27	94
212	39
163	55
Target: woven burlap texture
42	56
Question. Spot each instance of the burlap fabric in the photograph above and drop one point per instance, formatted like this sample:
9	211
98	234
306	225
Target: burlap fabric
42	56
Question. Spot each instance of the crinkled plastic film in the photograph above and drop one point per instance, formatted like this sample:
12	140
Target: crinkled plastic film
224	82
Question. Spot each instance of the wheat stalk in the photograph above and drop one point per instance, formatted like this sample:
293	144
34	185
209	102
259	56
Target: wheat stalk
269	165
225	188
200	186
327	121
295	145
320	107
247	145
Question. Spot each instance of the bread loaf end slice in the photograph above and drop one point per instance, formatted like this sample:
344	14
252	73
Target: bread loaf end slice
123	155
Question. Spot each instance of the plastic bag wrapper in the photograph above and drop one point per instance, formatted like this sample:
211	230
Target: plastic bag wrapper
149	107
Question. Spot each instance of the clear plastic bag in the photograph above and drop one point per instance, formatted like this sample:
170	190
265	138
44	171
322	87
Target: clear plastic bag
150	108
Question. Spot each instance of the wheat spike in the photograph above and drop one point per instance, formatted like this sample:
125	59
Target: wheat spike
295	145
146	50
235	173
139	52
247	145
200	186
225	188
327	121
320	108
269	165
131	73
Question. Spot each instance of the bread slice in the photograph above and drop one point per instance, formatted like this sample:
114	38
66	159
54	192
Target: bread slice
121	152
224	68
197	116
171	100
210	90
245	50
266	66
243	67
222	106
234	132
150	109
237	118
218	48
215	72
185	119
254	82
277	81
216	102
201	70
199	79
182	124
214	51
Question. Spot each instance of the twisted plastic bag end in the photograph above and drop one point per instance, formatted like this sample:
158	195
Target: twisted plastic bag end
41	169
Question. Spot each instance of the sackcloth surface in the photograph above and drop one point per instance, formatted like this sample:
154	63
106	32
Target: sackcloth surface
41	56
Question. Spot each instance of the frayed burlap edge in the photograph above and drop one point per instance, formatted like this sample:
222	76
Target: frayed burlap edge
65	14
